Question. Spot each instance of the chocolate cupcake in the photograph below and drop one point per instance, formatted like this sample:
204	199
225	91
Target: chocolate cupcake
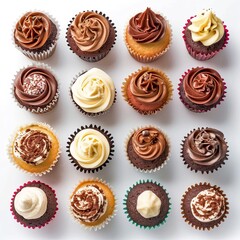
204	150
147	204
201	89
90	148
204	206
34	204
91	35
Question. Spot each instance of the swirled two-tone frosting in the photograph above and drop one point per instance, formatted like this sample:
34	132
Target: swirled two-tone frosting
32	146
203	86
148	143
89	203
31	203
35	87
147	27
90	31
33	30
208	205
93	91
206	146
207	28
90	148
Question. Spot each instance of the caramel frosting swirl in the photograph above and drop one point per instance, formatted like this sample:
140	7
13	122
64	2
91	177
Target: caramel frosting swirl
149	143
147	27
33	30
206	146
32	146
89	203
208	205
203	86
90	31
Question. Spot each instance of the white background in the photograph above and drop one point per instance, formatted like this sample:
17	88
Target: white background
175	119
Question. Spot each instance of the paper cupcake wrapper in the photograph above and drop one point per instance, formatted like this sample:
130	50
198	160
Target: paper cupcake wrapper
38	110
10	150
200	110
74	161
151	112
153	169
89	114
199	55
126	211
26	185
46	53
100	55
201	227
108	219
211	169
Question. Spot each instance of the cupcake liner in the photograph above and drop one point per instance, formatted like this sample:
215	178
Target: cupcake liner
151	112
89	114
46	53
10	151
156	168
204	227
108	219
26	185
126	211
211	168
194	109
199	55
99	55
38	110
74	161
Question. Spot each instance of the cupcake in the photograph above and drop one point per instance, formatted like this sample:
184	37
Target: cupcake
93	204
90	148
204	206
93	92
34	148
204	150
34	204
91	35
147	204
205	35
147	90
35	88
147	148
148	36
201	89
35	35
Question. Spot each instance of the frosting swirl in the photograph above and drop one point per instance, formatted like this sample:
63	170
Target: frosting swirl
206	146
89	203
32	146
90	148
33	30
147	27
94	91
208	205
149	143
203	86
31	203
90	31
207	28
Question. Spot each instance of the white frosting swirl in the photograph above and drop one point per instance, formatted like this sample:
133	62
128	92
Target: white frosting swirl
31	202
94	91
90	148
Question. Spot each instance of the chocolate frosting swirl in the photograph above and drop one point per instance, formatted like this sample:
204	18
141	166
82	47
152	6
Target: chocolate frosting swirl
203	86
206	146
35	87
147	27
33	30
90	31
149	143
